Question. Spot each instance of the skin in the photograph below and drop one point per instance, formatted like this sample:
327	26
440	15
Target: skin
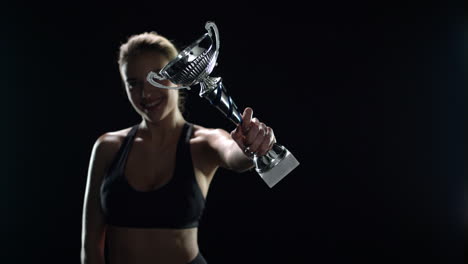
151	163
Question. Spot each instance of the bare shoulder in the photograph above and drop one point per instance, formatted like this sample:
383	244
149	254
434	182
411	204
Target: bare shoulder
111	139
210	136
205	146
107	145
211	143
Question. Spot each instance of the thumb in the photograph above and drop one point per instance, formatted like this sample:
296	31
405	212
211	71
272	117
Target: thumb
247	118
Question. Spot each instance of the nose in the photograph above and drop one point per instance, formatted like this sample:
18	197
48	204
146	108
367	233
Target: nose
147	90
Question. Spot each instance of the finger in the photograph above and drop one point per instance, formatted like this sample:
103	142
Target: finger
259	138
247	119
272	135
267	143
252	133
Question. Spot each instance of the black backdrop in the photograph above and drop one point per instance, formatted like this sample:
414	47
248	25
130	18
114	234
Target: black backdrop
366	97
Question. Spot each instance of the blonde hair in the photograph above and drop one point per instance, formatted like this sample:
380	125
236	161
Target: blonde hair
150	41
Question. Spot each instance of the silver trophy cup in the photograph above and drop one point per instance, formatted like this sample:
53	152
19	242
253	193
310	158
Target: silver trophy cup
192	66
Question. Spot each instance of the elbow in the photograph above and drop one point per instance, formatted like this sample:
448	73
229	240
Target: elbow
92	254
84	256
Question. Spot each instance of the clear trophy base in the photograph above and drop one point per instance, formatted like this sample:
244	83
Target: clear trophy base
275	165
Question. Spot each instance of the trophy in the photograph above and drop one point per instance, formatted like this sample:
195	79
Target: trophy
193	66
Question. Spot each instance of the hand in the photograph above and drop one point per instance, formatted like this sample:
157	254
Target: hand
253	136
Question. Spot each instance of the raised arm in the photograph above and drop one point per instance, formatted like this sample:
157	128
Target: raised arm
234	151
93	224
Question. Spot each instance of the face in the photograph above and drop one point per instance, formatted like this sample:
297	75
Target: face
152	103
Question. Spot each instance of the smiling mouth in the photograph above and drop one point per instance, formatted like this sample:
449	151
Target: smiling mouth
153	104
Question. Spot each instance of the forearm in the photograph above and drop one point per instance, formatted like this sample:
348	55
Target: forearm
236	160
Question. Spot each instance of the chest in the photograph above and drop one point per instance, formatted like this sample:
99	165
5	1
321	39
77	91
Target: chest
149	168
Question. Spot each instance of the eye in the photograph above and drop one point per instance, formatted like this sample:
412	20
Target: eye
132	85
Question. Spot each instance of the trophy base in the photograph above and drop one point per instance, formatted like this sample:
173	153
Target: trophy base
276	169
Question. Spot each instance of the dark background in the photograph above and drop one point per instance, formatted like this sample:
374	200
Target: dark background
368	98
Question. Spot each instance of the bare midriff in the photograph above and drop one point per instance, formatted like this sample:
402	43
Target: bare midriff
150	246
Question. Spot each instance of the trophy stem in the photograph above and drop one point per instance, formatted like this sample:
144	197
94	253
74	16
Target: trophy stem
273	166
213	90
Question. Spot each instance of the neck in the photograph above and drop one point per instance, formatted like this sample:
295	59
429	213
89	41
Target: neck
159	133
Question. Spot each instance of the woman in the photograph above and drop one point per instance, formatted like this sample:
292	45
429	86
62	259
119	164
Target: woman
147	184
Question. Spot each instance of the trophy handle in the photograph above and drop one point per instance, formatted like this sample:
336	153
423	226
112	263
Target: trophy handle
152	75
213	29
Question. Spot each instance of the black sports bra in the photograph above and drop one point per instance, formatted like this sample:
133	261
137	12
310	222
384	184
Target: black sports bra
177	204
